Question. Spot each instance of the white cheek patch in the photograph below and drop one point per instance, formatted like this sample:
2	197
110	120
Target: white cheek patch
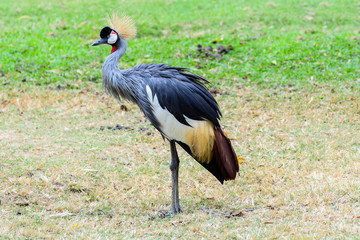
112	38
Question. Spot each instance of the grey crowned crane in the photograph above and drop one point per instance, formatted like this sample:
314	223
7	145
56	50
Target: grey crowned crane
175	101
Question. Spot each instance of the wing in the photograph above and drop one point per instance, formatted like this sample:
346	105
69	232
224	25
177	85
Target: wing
182	93
178	104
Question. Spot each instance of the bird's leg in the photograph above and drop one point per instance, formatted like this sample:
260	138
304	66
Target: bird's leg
174	167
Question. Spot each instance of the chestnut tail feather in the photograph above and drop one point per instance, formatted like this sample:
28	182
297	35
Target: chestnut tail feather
224	164
224	156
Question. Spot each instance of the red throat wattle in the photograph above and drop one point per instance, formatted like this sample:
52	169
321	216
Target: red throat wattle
113	49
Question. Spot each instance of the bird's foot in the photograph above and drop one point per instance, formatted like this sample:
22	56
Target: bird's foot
176	210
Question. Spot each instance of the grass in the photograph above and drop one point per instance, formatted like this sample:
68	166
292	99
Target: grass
276	42
289	93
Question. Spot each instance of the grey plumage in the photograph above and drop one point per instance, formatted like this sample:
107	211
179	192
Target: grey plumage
130	84
178	105
114	81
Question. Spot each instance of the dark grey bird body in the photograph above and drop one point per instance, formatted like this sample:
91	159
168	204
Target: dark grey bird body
172	85
178	105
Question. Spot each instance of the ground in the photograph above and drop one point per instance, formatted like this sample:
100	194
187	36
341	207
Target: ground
77	164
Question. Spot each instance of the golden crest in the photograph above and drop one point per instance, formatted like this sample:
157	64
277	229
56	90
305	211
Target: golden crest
124	25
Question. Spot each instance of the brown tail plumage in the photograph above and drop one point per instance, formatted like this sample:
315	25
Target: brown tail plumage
224	157
223	164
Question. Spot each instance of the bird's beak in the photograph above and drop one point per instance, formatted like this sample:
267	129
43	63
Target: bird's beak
100	41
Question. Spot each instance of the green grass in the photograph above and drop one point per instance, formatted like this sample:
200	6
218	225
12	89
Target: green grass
275	42
289	93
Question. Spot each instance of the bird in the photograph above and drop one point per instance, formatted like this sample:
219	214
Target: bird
175	101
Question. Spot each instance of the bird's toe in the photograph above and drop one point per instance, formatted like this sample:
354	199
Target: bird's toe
176	210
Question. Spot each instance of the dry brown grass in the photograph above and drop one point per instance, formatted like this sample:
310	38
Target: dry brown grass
62	177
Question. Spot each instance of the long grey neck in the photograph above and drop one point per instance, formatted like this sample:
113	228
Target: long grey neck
113	59
114	82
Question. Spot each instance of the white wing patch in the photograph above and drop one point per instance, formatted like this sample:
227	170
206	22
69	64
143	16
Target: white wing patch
170	126
199	136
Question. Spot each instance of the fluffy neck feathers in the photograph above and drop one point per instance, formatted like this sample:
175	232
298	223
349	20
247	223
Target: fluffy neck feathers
118	50
114	82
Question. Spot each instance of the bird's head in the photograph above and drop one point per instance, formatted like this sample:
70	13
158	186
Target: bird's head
108	36
125	29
